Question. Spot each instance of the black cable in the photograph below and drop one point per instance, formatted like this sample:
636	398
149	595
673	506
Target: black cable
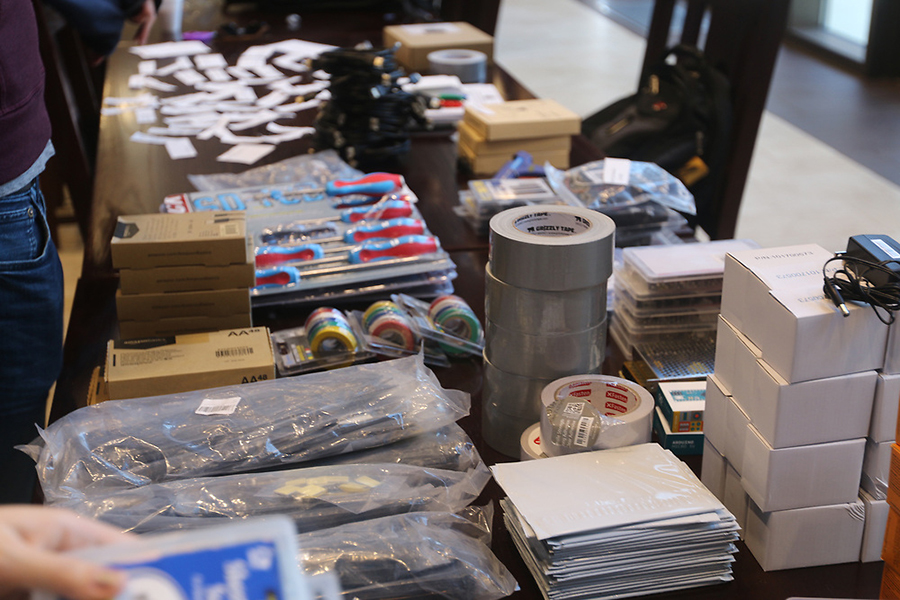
853	282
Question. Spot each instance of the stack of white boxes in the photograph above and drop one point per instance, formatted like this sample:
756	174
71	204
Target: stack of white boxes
800	413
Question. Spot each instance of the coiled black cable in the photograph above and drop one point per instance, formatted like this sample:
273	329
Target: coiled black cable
853	282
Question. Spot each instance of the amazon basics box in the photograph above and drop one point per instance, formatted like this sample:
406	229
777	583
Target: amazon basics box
774	297
170	365
167	240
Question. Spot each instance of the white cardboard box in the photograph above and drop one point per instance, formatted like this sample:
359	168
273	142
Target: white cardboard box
883	427
876	524
732	350
892	352
774	297
735	445
876	468
715	417
736	499
712	470
792	414
805	537
801	476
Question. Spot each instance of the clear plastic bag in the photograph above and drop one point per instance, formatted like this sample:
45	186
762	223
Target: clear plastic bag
648	184
415	555
310	168
128	443
313	497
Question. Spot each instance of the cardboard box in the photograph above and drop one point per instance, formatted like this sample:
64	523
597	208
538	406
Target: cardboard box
883	427
418	40
801	476
876	523
133	330
876	468
715	415
805	537
488	164
890	550
774	296
893	491
682	404
682	444
737	424
184	363
168	240
206	303
736	499
518	119
892	351
97	391
186	279
480	146
712	470
735	354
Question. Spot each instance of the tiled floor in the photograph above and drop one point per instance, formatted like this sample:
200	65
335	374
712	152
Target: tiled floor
800	189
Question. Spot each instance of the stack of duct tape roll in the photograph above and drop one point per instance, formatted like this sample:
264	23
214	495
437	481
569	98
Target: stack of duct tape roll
545	311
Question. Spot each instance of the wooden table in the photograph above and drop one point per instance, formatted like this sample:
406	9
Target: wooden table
133	178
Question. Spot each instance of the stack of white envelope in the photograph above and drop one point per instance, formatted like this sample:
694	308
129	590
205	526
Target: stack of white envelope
616	523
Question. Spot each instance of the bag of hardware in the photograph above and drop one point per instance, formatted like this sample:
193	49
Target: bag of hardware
415	555
129	443
314	497
680	118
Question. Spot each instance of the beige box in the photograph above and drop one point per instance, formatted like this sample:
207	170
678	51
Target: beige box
715	414
419	39
155	367
477	144
97	391
712	470
186	279
132	330
206	303
805	537
815	475
489	164
774	297
168	240
519	119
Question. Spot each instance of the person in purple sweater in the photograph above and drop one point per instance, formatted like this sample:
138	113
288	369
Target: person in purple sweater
31	278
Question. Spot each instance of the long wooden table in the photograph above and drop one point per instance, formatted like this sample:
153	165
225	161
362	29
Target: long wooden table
133	178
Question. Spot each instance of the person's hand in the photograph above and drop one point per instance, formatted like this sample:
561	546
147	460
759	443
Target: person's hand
32	542
144	20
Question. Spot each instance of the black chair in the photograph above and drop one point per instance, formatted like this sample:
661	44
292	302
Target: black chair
741	38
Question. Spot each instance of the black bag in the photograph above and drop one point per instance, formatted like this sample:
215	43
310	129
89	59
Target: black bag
680	119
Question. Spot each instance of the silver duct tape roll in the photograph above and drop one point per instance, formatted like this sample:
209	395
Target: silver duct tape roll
542	311
545	356
530	444
594	412
469	65
556	248
510	404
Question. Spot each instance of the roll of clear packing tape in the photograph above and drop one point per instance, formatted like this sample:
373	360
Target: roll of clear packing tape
543	311
511	404
556	248
469	65
545	356
530	444
594	412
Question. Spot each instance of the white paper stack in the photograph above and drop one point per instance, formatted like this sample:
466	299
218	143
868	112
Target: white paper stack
616	523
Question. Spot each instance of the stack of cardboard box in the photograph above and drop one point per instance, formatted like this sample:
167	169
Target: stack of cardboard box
490	134
790	431
182	274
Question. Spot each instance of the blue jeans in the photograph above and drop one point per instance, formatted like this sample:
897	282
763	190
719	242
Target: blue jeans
31	328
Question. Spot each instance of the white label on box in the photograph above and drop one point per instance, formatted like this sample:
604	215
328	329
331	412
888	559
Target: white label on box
217	406
430	28
616	171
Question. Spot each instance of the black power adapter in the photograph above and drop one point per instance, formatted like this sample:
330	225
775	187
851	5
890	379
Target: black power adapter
870	274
